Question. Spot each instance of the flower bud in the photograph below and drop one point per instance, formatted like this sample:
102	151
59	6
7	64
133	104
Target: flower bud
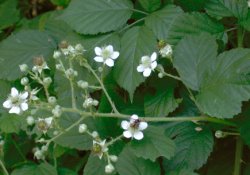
71	73
39	155
95	134
109	168
160	75
23	67
57	111
47	81
83	84
24	81
100	69
59	67
198	129
55	133
113	158
44	148
79	48
52	100
219	134
82	128
57	54
30	120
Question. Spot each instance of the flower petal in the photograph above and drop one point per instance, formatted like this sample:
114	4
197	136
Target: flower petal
110	48
48	120
153	65
153	56
134	117
125	124
24	95
127	134
145	58
24	106
7	104
138	135
140	68
98	59
143	125
115	55
14	92
15	110
98	51
109	62
147	72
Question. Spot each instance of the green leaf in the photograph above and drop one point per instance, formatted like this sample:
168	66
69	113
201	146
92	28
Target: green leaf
135	43
60	2
92	17
161	21
42	169
193	23
192	147
5	90
10	123
244	131
181	172
95	166
214	77
128	164
154	144
191	5
161	103
225	8
21	48
9	14
64	171
150	5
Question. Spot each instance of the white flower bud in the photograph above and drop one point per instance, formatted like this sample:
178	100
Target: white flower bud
95	134
113	158
57	54
166	51
109	169
57	111
47	81
55	133
2	143
52	100
82	128
95	103
39	154
79	48
59	67
30	120
83	84
100	69
24	81
160	75
23	67
219	134
71	73
198	129
44	148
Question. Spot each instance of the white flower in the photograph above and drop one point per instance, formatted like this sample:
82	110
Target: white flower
99	148
166	51
148	64
109	168
16	102
40	68
134	128
44	124
106	55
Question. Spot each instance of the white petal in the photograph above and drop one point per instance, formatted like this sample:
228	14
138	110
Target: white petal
48	120
143	125
147	72
153	56
7	104
110	48
24	106
144	58
109	62
140	68
15	110
125	124
24	95
98	59
138	135
115	55
153	65
98	51
127	134
14	92
134	117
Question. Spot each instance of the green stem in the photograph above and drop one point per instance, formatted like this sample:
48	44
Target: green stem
103	88
240	36
172	76
114	140
3	167
72	88
238	155
139	11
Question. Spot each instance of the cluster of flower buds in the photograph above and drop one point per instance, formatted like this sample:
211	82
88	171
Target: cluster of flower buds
89	102
165	49
39	154
68	50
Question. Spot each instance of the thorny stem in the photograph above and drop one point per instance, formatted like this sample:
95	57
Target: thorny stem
3	167
103	88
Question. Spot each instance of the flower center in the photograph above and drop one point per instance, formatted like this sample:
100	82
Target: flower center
106	54
135	124
15	100
42	125
97	149
147	62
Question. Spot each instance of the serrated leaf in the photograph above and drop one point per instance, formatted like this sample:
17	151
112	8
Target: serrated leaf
154	144
192	147
128	164
42	169
227	8
95	166
193	23
161	103
135	43
92	17
214	77
161	21
9	14
10	123
150	5
21	48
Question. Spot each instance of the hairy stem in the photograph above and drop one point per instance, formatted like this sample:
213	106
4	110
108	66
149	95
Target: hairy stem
73	99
